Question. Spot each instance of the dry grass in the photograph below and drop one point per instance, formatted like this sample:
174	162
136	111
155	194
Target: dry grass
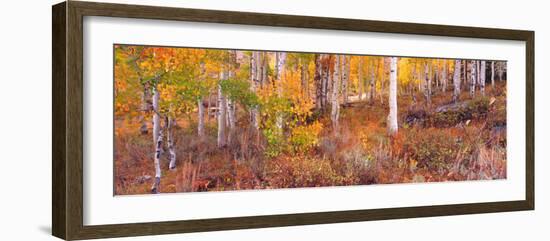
359	153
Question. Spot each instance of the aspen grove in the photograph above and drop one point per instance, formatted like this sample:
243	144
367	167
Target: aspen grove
195	119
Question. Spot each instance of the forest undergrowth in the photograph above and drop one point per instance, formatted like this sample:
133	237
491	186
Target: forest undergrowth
436	142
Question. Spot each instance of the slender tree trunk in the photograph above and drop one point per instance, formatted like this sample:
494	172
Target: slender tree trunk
200	128
222	104
465	73
428	87
493	74
411	83
231	106
324	80
209	104
392	100
482	78
257	66
445	76
500	70
420	77
335	105
255	74
280	61
265	60
329	81
200	106
430	81
170	139
345	77
456	81
372	84
231	119
472	78
436	78
478	71
157	138
360	78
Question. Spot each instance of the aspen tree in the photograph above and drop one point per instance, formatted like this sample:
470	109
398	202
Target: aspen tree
222	104
157	139
170	122
428	84
360	78
255	75
392	100
345	77
280	63
472	78
493	74
317	78
456	81
335	105
200	106
482	78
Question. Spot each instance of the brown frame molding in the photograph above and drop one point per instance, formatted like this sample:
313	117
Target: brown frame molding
67	121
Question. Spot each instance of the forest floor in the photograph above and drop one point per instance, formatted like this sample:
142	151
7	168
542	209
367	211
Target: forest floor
436	142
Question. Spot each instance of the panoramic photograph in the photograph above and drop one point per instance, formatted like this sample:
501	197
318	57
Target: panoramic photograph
203	120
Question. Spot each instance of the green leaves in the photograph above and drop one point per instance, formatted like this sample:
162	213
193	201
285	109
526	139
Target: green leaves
239	90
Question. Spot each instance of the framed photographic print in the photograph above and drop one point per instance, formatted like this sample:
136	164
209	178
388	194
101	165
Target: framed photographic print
171	120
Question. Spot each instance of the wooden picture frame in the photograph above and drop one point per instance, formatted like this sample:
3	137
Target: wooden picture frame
67	123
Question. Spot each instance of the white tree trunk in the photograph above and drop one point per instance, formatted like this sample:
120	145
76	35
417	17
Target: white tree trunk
280	61
482	78
392	117
445	76
200	114
222	104
323	82
156	116
231	106
328	81
345	77
428	82
478	71
325	79
360	78
500	70
456	81
231	119
437	80
170	122
372	90
255	75
464	73
472	78
335	105
157	138
493	74
200	106
421	83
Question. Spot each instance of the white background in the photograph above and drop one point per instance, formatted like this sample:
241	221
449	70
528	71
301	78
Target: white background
26	121
100	207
